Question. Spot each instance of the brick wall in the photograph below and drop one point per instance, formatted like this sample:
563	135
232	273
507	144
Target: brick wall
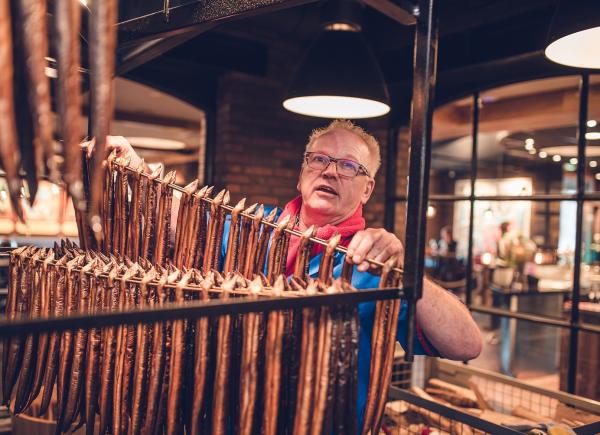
259	144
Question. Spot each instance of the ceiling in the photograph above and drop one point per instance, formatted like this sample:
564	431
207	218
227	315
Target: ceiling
482	43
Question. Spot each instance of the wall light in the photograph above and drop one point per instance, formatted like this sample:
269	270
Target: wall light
573	160
556	158
431	211
593	135
543	154
339	76
593	164
592	123
574	34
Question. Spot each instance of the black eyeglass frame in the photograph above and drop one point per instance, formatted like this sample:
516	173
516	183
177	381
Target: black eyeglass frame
362	170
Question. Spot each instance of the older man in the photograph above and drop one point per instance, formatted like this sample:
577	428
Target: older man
336	180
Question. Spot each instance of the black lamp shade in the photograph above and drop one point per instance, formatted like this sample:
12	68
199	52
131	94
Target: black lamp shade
574	36
339	77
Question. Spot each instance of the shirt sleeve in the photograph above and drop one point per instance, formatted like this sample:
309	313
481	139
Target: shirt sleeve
366	280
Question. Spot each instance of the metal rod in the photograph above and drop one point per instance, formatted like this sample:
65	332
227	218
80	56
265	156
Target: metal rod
391	175
474	141
424	78
574	333
451	413
536	318
191	310
594	196
229	208
540	197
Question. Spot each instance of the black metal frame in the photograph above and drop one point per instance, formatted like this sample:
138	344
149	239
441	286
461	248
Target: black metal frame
424	79
452	413
580	197
192	310
475	422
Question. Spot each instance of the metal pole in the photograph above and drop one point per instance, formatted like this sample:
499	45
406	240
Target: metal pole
574	332
424	77
475	133
391	176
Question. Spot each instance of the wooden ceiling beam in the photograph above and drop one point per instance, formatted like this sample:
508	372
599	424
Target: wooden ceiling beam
403	12
529	112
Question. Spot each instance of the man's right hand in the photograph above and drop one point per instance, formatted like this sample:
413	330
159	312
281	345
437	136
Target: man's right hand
120	145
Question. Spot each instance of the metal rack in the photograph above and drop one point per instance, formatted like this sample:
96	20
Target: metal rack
193	310
160	26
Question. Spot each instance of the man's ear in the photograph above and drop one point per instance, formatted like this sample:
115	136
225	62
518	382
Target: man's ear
368	191
299	178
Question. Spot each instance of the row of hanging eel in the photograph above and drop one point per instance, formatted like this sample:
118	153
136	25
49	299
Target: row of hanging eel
27	146
138	225
284	371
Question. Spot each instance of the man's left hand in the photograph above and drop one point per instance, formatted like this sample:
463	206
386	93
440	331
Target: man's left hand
375	244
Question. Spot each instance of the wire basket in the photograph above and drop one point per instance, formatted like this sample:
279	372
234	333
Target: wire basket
510	403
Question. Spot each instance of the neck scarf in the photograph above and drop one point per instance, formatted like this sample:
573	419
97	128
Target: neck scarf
347	229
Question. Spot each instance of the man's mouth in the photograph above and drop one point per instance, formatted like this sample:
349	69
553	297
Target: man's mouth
326	189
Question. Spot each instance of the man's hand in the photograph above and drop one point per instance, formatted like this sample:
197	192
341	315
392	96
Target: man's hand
376	244
120	145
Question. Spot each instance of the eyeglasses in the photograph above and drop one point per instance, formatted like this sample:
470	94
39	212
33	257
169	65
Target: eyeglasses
345	168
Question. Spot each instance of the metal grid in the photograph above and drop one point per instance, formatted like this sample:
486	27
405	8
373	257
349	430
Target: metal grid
410	414
504	398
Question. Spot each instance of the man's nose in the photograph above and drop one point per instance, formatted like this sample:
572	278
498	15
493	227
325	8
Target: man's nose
330	170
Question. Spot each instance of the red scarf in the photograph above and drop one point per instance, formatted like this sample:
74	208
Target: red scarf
347	229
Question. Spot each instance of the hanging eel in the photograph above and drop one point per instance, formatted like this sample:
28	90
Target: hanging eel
31	300
263	243
223	355
58	310
99	298
245	226
305	390
77	371
32	15
183	218
46	294
233	240
10	155
177	364
275	250
211	233
252	245
119	408
272	371
249	364
163	219
67	16
108	353
102	50
157	362
138	195
150	213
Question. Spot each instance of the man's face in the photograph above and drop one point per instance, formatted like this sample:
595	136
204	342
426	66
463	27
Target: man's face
325	193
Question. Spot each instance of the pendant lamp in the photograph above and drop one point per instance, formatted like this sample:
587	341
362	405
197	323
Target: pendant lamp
339	76
575	34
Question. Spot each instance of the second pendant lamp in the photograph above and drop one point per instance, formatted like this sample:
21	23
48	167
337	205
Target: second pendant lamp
339	76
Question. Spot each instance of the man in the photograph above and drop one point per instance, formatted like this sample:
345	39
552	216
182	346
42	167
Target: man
336	180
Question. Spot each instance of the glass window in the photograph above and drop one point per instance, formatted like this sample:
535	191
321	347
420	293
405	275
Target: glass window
523	255
451	146
592	135
529	130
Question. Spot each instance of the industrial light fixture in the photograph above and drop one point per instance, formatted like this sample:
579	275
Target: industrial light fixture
339	76
574	34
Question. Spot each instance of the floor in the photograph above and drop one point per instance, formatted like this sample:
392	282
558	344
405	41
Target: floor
537	366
